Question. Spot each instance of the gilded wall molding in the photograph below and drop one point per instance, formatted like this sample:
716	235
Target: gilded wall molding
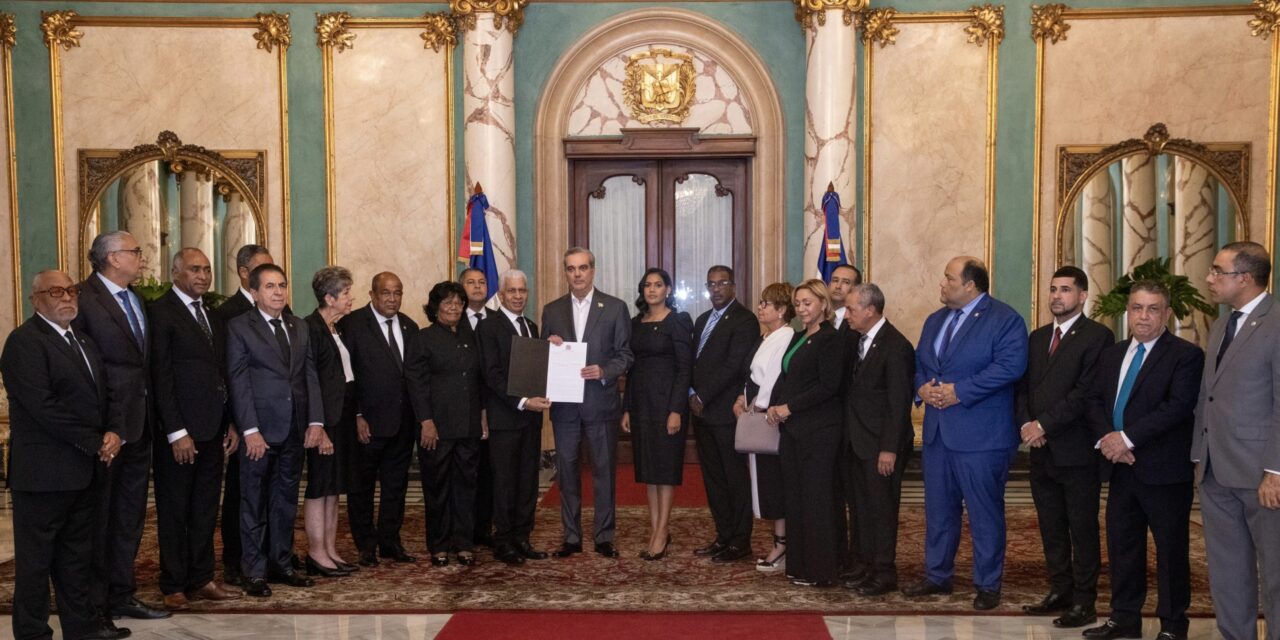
507	14
8	31
812	14
1047	22
986	22
1266	19
440	30
60	29
9	40
332	31
876	25
273	31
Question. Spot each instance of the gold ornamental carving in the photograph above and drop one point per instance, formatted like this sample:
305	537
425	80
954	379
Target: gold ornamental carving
506	13
273	31
1047	22
659	86
59	29
812	14
441	31
332	31
986	22
876	25
1266	18
8	31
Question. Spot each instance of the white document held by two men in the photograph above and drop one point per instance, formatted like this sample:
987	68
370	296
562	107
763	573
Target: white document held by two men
565	363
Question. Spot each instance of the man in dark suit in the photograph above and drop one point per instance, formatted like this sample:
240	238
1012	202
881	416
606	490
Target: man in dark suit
515	425
1065	483
971	354
189	377
476	285
1142	411
248	258
1237	443
601	321
878	434
113	316
726	337
58	415
843	280
275	397
376	337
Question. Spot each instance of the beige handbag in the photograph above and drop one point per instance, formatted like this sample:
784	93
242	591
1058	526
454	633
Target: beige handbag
754	434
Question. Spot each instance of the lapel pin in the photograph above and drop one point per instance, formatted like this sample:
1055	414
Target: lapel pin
600	304
1254	323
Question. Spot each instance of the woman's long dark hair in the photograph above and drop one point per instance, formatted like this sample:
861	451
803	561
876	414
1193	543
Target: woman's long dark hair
666	279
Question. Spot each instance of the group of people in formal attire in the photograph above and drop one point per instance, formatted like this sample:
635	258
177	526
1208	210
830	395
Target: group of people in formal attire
228	406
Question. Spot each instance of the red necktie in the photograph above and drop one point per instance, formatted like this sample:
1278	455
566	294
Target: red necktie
1057	337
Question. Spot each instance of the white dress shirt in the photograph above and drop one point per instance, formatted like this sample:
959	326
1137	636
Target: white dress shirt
1064	327
247	296
766	365
63	332
870	336
347	372
1124	370
839	321
474	316
395	330
135	303
581	310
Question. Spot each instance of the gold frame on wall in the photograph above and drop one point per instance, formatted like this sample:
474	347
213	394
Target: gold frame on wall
271	33
334	32
9	40
984	27
1049	25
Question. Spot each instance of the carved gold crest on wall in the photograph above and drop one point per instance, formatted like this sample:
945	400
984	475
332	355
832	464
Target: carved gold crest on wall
659	86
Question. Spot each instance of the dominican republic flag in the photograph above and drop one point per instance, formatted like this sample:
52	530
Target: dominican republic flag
476	249
831	254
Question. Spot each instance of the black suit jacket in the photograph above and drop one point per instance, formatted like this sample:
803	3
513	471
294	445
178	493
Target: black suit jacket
1159	417
810	385
188	370
265	393
877	401
724	362
57	409
128	371
494	335
1055	391
445	380
235	305
381	387
333	379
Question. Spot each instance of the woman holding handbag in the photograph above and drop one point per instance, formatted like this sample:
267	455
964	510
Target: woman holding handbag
774	311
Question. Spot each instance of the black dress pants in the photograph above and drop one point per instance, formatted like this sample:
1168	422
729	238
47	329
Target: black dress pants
876	499
269	506
1133	507
1067	500
810	485
484	491
53	538
385	461
229	525
514	456
449	487
727	479
122	510
186	515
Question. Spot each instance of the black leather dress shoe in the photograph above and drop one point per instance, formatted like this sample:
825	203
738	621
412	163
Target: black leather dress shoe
256	587
1076	616
1169	635
986	600
398	554
711	549
110	630
296	562
872	587
925	588
1110	630
607	550
133	608
368	558
232	576
731	553
529	552
509	555
290	578
1052	603
567	549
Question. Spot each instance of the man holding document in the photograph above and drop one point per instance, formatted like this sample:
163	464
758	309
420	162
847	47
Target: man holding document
602	323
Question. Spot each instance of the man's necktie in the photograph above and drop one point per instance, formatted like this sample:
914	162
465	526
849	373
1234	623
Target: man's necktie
134	323
394	344
1057	337
706	331
1126	387
202	320
524	327
862	347
951	333
281	339
75	346
1230	335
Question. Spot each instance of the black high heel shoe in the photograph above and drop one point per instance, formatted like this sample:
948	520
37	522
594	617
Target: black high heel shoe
645	555
314	569
349	568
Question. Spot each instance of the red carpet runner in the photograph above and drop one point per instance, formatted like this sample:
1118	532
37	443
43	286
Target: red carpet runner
497	625
692	493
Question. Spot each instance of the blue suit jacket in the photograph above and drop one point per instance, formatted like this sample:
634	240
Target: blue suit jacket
985	360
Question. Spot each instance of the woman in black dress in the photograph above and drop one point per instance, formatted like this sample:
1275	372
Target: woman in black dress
442	366
806	403
657	398
327	463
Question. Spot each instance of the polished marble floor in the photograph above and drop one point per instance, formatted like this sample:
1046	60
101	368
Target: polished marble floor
426	627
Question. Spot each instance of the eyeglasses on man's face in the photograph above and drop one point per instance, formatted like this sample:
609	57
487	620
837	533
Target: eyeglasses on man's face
56	293
1218	273
136	251
719	284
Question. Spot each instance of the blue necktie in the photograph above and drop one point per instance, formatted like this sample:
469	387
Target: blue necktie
1126	387
1229	336
134	323
706	332
951	333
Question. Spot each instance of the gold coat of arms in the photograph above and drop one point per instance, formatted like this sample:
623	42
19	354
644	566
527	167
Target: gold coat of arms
659	86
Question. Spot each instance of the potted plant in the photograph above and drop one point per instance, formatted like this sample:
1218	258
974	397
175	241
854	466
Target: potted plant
1184	298
151	290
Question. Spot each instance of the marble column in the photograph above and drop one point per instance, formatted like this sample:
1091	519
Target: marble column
829	128
1195	238
140	214
195	196
1098	215
239	228
488	102
1139	240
